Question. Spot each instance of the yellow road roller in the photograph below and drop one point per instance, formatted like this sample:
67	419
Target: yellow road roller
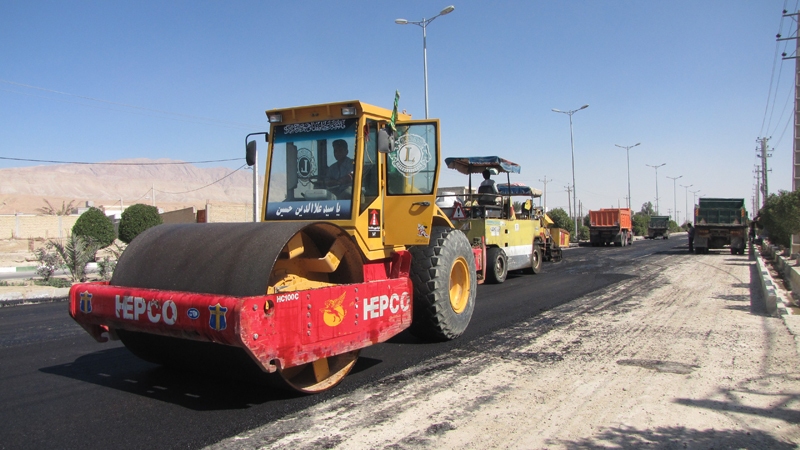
350	249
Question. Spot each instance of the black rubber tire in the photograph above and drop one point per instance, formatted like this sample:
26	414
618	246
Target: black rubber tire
431	266
496	265
734	251
536	260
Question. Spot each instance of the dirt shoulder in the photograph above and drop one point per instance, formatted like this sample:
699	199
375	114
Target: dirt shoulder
671	358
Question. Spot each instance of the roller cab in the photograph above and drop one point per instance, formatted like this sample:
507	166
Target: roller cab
348	221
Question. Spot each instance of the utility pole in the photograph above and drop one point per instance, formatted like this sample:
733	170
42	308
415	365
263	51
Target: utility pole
757	204
694	201
569	204
763	155
686	202
674	202
656	167
796	143
545	191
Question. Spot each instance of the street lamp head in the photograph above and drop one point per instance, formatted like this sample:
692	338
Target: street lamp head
401	21
583	107
557	110
447	10
638	143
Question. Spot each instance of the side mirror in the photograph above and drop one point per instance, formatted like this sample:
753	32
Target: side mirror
385	141
250	153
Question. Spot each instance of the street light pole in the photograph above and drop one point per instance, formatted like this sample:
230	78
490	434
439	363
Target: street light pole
424	24
694	200
674	202
628	154
656	167
686	202
572	145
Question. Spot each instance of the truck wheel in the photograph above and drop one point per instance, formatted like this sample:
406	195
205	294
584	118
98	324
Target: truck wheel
734	251
445	281
536	260
498	265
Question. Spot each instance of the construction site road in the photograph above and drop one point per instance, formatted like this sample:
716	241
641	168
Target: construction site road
615	347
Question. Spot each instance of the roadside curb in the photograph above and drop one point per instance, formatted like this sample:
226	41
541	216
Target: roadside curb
48	296
18	269
778	299
43	295
776	305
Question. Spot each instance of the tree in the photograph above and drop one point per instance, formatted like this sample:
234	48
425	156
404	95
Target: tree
647	209
96	225
640	222
76	252
50	210
562	220
136	219
584	233
780	215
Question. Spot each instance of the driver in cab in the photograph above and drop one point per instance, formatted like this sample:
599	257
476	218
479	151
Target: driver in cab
339	177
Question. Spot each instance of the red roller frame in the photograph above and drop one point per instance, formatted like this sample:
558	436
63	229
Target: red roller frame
289	329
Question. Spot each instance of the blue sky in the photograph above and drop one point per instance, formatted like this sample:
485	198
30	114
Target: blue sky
187	80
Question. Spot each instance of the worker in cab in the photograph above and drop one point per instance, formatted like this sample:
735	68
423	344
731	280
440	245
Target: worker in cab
339	177
488	185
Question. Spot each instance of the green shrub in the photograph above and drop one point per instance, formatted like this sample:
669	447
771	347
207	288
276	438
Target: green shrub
562	220
94	224
49	261
641	222
780	215
76	251
136	219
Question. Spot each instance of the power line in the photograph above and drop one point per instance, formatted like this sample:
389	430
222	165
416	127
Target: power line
127	105
772	76
120	163
202	187
192	190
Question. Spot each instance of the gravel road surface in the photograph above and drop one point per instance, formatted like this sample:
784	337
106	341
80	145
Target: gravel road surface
678	356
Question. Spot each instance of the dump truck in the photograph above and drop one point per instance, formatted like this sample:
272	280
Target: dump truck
342	258
610	225
719	222
509	240
658	227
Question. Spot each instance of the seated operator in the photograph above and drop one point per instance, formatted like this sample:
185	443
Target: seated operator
488	184
339	177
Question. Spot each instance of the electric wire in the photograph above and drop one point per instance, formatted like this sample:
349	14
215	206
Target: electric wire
203	187
120	163
186	192
772	76
206	120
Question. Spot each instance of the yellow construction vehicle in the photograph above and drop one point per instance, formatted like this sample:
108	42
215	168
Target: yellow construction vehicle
350	250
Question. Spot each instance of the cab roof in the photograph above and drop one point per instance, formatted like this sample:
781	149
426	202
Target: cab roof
477	164
518	189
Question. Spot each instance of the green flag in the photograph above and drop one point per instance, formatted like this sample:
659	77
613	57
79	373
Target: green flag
394	111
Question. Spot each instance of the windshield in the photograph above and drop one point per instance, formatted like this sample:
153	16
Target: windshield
311	172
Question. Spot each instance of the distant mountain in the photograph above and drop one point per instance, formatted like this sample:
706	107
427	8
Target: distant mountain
23	190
